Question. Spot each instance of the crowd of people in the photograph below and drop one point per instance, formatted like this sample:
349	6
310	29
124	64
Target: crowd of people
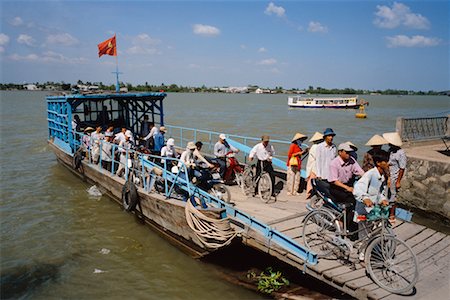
335	167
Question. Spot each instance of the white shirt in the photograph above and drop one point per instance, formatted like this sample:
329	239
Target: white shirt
168	151
120	137
97	136
324	155
311	163
187	157
154	131
106	151
261	152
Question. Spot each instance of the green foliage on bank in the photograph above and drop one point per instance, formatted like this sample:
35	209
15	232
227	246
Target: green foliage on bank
174	88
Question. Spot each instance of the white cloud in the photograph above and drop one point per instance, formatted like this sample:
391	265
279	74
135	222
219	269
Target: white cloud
17	21
399	15
29	57
243	47
4	39
267	62
317	27
145	39
47	57
193	66
414	41
2	49
26	39
64	39
262	49
276	10
144	44
206	30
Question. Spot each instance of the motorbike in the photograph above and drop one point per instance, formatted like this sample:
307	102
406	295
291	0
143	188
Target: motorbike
234	171
209	180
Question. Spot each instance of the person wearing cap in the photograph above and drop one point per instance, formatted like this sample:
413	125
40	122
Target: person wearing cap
221	148
311	169
397	166
106	153
264	153
123	147
294	163
354	153
86	139
96	136
375	142
325	153
168	151
187	158
341	176
159	141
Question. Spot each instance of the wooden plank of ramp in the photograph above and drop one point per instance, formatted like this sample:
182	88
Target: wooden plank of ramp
408	230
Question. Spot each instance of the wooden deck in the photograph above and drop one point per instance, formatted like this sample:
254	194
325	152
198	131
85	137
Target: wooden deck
432	249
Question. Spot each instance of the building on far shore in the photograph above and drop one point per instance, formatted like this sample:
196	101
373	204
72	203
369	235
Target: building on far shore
31	87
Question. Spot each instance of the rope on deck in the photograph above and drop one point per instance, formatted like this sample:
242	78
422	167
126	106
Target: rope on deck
213	233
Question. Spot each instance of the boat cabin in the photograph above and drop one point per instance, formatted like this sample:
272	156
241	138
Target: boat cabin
117	110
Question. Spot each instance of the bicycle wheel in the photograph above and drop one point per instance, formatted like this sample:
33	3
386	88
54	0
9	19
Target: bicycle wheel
319	228
247	181
221	192
265	187
392	264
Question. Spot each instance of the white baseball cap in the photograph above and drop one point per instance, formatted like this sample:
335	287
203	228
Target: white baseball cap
170	142
222	136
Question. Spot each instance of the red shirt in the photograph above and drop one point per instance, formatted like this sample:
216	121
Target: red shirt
293	149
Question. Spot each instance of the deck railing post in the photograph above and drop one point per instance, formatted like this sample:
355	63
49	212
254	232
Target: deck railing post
113	158
126	164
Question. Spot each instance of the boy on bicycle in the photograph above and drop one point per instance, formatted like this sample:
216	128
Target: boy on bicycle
371	190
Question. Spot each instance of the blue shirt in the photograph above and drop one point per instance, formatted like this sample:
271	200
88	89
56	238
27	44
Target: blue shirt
159	142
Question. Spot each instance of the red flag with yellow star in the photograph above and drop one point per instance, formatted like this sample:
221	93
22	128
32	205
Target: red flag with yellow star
108	47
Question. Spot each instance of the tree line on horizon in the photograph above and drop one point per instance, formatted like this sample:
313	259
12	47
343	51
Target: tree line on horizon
174	88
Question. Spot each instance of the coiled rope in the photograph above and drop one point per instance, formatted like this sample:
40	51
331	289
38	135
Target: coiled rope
213	233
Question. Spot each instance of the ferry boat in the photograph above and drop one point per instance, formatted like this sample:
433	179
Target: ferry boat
180	220
324	102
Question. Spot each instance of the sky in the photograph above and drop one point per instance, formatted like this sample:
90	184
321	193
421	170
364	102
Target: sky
291	44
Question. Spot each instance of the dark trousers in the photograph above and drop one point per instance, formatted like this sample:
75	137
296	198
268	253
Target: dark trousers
342	196
266	166
222	165
106	165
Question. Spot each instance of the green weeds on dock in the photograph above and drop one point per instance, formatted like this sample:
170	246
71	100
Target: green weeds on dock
269	281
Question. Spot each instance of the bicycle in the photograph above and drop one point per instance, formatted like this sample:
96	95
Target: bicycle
250	181
390	262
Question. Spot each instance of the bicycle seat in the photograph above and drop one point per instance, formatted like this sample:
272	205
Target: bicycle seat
322	188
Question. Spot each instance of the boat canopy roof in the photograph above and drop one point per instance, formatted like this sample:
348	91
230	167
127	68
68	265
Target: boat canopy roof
111	96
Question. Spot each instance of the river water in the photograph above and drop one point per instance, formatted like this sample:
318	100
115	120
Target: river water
58	242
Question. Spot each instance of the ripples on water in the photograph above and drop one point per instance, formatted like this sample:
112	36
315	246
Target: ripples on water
53	233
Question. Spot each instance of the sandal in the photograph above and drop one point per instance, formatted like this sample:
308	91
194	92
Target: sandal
392	220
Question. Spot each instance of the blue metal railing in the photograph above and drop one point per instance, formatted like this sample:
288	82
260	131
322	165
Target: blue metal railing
183	135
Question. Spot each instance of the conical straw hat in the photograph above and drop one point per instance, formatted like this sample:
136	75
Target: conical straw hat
298	135
393	138
316	137
376	140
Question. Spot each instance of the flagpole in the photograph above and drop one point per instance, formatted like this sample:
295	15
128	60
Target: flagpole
117	69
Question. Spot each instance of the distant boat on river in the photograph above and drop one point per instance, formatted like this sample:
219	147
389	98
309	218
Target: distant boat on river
324	102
